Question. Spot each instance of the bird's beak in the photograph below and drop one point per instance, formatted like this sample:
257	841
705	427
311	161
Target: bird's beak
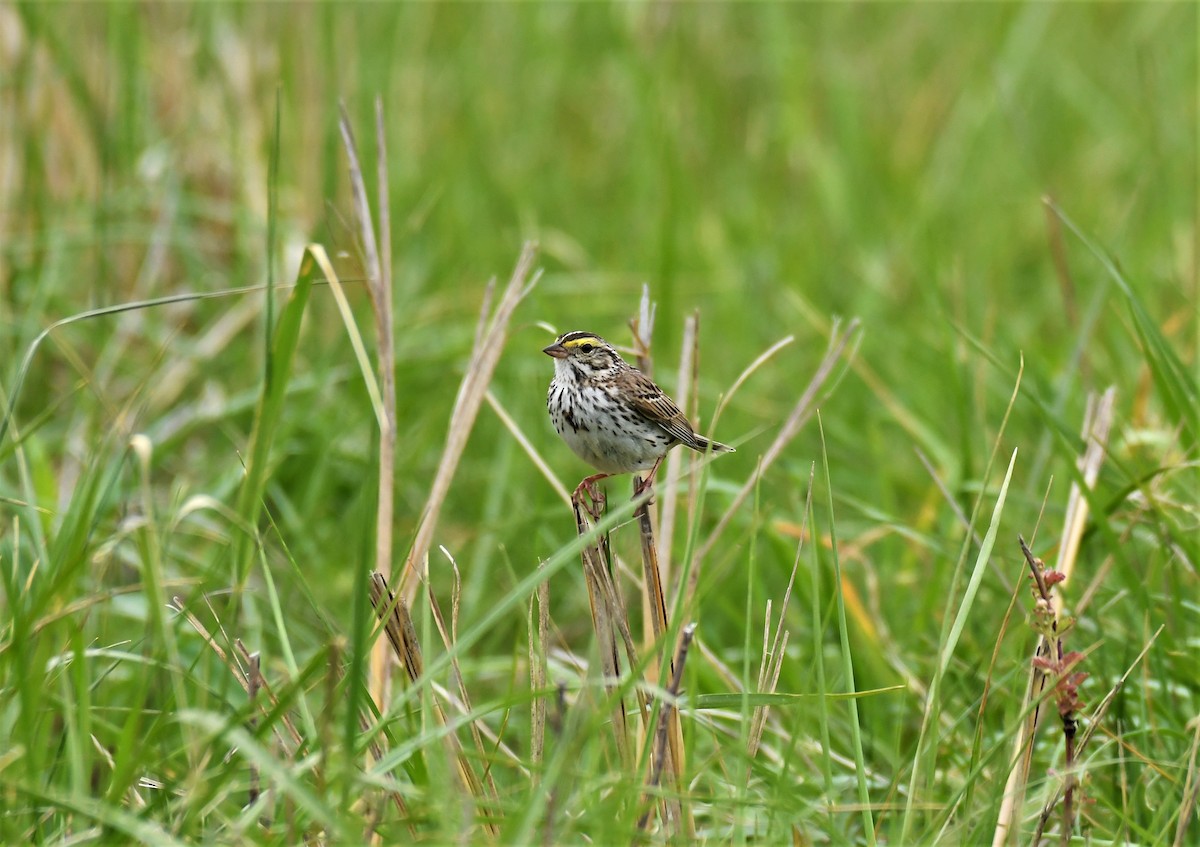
556	350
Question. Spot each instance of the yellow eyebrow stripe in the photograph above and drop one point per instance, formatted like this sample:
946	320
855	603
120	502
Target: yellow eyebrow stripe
587	339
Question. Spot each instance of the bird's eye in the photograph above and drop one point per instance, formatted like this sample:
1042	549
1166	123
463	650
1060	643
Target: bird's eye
587	348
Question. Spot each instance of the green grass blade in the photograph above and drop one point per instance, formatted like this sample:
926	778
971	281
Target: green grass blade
977	573
856	744
285	338
1176	381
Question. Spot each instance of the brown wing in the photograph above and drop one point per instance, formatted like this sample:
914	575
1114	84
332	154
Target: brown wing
653	404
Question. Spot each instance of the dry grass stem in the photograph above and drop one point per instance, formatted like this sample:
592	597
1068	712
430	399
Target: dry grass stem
362	207
951	501
247	674
609	614
384	309
463	704
240	674
800	414
684	396
775	648
655	601
471	390
1097	424
662	733
605	612
397	626
393	614
1191	786
654	593
379	285
641	327
537	672
515	431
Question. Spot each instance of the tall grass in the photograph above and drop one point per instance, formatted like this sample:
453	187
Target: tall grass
194	484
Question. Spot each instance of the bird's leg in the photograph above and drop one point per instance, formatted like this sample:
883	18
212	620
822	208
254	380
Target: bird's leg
641	486
589	486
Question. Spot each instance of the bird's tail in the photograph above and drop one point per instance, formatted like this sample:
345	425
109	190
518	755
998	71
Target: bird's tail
703	445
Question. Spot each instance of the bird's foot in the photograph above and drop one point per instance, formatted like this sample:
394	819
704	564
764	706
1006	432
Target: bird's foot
640	485
588	487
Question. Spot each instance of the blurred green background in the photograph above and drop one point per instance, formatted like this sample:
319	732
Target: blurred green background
773	166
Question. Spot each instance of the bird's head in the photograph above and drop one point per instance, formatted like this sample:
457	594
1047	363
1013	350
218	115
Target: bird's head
583	354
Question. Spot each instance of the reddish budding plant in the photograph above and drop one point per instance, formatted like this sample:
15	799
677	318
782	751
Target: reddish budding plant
1067	689
1057	664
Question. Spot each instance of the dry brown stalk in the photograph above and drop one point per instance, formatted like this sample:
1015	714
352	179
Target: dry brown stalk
527	446
641	327
557	720
463	704
655	570
774	649
397	624
655	595
662	734
609	615
378	266
1097	423
238	667
1191	789
484	357
675	459
240	675
605	610
655	600
537	672
799	415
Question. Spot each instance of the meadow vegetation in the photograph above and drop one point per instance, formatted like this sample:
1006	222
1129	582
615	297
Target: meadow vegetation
973	229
